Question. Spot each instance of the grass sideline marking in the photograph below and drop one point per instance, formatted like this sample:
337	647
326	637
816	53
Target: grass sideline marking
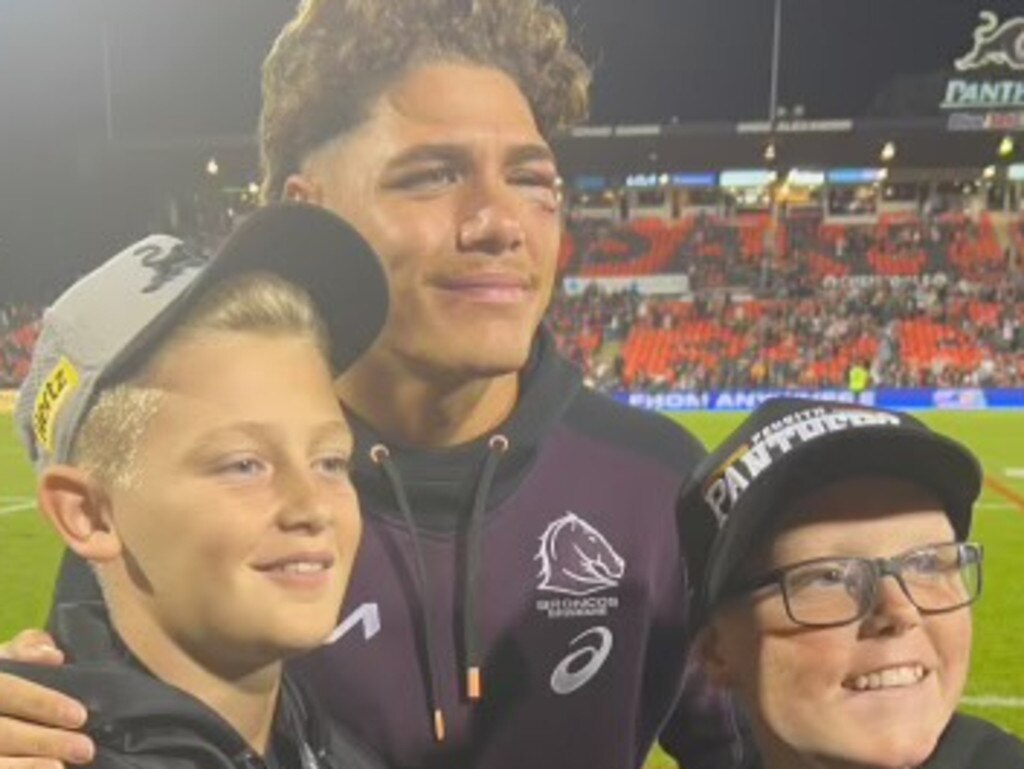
1005	491
9	505
1017	473
16	508
992	701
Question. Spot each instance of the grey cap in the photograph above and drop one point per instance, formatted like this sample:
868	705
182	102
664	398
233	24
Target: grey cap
112	319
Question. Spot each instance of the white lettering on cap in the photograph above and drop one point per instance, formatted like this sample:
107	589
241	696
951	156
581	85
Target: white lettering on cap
777	440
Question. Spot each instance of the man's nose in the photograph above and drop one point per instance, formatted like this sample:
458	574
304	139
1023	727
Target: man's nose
492	222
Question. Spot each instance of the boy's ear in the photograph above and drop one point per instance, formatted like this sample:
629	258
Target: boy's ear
708	648
79	509
302	189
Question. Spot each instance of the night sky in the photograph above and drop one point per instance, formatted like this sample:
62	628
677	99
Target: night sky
189	70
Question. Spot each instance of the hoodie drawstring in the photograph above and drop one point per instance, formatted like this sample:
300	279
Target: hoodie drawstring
381	456
497	446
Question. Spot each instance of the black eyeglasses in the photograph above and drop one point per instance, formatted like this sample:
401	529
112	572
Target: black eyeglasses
828	592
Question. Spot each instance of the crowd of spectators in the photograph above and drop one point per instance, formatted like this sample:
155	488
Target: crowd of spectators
19	327
920	301
928	333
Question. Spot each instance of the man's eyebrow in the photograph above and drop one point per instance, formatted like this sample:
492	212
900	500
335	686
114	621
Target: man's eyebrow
429	152
457	153
526	153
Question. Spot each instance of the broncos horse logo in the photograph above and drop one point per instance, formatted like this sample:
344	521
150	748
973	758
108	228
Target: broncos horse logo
576	559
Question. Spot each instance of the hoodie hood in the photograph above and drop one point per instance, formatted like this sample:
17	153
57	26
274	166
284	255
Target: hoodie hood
443	481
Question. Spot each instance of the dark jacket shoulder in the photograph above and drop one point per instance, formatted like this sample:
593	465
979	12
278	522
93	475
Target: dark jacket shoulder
646	433
141	722
973	743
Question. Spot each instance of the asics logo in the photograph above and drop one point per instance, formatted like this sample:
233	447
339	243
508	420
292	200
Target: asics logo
581	665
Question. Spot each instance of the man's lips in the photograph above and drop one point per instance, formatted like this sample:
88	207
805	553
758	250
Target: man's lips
497	288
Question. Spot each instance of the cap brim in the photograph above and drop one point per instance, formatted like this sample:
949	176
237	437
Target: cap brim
319	252
929	459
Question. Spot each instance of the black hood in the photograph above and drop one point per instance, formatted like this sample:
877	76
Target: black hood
442	481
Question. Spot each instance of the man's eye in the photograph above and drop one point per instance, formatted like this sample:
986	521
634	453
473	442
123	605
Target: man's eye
242	467
427	179
543	186
535	179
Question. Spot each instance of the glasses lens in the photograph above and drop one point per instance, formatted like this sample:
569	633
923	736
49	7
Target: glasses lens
942	577
827	592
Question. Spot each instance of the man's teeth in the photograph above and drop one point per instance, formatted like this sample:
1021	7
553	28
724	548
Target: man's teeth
302	567
906	675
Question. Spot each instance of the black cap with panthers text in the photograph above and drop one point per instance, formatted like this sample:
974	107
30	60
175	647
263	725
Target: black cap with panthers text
790	446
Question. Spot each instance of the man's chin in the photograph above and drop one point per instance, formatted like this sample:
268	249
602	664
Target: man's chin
479	358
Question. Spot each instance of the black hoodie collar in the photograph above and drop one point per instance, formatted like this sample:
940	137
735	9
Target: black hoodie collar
441	482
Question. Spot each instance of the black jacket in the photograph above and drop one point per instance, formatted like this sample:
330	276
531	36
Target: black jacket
139	722
971	743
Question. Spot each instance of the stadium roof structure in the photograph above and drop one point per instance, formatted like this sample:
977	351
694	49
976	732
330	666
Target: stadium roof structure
921	144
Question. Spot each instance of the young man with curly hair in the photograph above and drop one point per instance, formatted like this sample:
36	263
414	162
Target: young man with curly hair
519	597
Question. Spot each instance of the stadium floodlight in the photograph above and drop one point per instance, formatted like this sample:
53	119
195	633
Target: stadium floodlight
212	168
888	152
1006	146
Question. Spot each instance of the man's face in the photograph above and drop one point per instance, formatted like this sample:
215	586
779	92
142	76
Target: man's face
238	537
452	184
807	685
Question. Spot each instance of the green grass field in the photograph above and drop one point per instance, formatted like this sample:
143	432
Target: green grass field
29	552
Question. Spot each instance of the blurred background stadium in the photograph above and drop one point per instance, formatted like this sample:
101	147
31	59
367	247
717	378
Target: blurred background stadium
813	195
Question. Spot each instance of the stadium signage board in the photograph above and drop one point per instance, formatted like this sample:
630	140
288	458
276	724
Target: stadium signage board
856	175
590	183
748	177
833	125
646	181
693	180
802	177
994	102
951	399
665	283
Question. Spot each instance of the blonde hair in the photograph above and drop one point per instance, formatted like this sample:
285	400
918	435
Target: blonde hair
108	439
335	57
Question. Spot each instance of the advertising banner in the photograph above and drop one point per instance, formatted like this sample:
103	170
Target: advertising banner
745	400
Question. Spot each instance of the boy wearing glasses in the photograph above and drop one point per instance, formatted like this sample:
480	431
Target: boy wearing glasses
833	584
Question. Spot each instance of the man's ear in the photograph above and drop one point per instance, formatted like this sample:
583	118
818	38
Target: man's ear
302	189
708	648
79	509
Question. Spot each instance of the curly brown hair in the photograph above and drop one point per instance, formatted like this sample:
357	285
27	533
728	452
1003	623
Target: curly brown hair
335	57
